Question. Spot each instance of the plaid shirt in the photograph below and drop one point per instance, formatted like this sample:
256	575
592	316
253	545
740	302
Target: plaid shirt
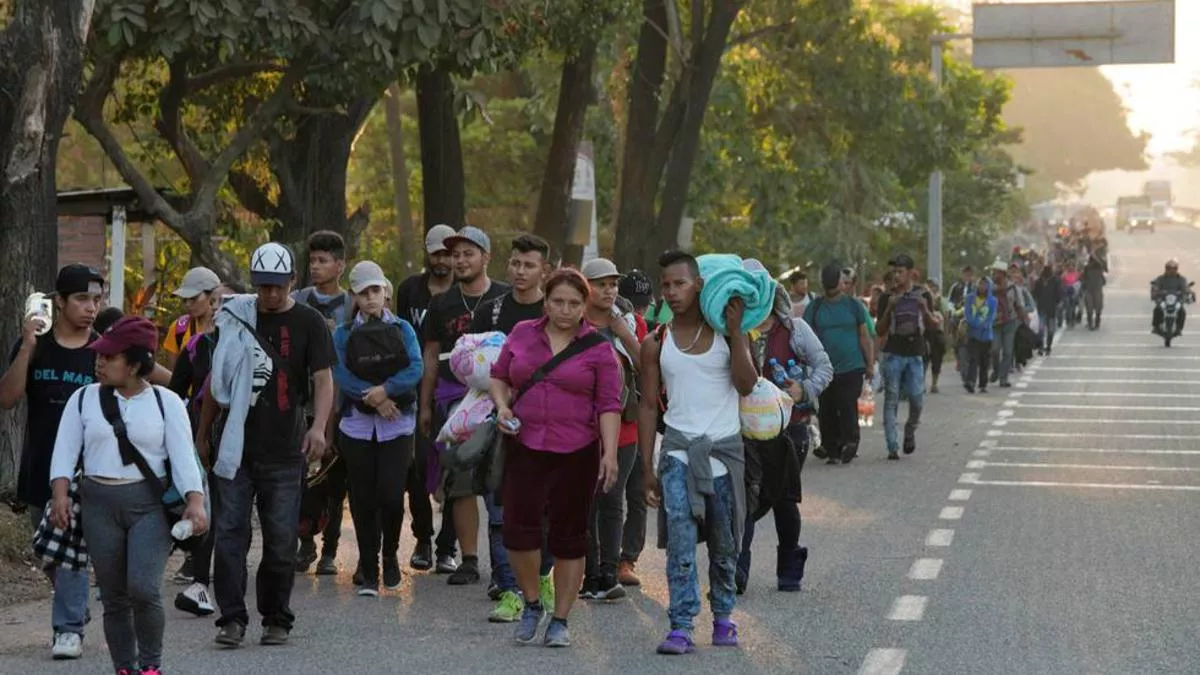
62	548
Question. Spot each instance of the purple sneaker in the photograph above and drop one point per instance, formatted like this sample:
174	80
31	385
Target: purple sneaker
724	633
677	642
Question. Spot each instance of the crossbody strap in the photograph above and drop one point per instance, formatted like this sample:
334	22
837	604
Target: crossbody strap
129	452
577	346
269	348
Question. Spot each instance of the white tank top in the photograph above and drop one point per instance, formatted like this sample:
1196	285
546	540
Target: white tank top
701	398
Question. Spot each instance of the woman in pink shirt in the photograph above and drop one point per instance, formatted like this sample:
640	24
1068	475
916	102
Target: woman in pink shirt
562	449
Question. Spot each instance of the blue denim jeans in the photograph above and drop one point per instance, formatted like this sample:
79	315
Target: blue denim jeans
69	611
275	489
682	537
502	572
902	374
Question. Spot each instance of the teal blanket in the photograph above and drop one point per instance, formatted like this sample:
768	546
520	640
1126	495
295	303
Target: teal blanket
725	277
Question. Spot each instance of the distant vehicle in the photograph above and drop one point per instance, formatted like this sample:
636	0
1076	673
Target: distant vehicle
1126	205
1161	200
1140	218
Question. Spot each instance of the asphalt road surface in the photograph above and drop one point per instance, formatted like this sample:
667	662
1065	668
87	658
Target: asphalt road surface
1047	528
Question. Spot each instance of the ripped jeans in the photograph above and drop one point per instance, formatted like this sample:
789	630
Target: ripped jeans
683	533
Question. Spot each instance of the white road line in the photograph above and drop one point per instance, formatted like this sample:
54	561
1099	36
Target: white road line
951	513
1104	486
1089	420
882	661
1190	382
981	453
1100	394
960	495
1101	451
1120	369
1103	467
925	569
908	608
1059	434
976	464
968	477
939	537
1075	406
1165	356
988	443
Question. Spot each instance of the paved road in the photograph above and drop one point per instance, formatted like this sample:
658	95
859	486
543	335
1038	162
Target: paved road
1018	539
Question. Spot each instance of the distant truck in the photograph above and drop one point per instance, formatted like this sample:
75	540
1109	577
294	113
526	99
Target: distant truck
1158	192
1127	207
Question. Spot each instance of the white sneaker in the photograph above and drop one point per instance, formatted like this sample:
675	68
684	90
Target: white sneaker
194	600
67	646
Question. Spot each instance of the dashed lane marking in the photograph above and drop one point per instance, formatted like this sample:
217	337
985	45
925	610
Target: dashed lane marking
1097	486
1103	467
1119	369
960	495
1100	451
1075	406
1101	394
1059	434
925	569
939	537
1087	420
908	608
883	661
951	513
1160	383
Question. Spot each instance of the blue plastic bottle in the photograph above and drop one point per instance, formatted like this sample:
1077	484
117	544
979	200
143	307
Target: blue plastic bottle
795	373
778	374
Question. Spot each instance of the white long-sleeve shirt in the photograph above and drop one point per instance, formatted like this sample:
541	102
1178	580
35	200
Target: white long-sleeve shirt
158	436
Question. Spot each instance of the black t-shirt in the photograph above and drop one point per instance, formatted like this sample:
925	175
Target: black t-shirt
412	300
503	313
450	316
301	339
55	372
898	344
191	370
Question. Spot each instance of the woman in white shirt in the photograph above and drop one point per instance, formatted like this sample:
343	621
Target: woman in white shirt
124	523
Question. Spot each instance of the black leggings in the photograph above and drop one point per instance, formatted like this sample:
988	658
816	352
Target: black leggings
936	352
376	472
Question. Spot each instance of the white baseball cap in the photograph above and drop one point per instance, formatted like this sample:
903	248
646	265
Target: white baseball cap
435	238
365	275
272	265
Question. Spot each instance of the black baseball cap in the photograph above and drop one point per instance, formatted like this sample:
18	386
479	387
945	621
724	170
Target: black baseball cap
903	260
636	288
78	278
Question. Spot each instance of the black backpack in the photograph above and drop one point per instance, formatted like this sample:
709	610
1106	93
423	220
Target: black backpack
375	351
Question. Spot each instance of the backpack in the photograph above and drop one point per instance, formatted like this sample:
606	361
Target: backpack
374	352
908	319
327	309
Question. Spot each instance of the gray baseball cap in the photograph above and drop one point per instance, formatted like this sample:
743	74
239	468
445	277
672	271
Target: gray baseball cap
471	235
599	268
435	238
197	280
365	275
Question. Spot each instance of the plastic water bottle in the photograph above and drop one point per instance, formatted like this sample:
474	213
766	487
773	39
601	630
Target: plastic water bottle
795	373
778	374
182	530
866	407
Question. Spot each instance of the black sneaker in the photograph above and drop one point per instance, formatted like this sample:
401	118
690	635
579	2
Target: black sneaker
369	589
467	573
892	454
422	557
910	443
608	588
591	586
849	452
231	634
306	556
391	573
273	636
819	452
184	575
446	564
358	577
328	565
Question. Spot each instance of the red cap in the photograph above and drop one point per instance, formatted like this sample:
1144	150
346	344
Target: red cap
129	331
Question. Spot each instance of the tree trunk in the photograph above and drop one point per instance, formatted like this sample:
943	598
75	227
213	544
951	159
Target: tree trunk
409	242
638	187
41	63
575	94
443	182
706	64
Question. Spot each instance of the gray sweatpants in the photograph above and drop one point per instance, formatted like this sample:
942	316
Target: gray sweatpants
128	542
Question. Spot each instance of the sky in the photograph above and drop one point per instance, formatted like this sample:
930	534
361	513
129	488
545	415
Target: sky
1161	99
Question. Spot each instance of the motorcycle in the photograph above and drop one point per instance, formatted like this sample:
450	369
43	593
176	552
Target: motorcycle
1170	304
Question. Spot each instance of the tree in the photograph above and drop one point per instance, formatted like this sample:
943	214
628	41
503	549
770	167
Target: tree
1062	113
41	61
660	150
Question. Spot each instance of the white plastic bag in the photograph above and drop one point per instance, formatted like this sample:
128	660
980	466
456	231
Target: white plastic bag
765	411
472	358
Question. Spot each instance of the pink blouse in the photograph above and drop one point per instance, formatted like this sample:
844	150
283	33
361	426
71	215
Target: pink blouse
561	412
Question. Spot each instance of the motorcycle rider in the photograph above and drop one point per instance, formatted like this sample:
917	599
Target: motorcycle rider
1170	281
